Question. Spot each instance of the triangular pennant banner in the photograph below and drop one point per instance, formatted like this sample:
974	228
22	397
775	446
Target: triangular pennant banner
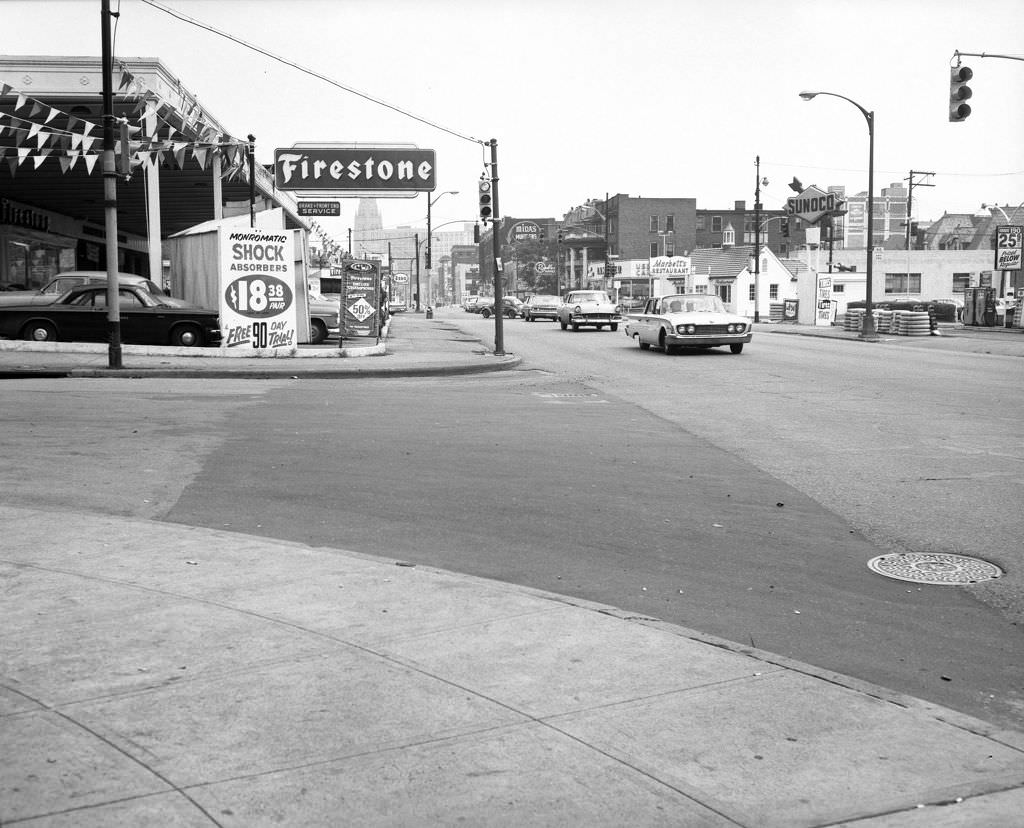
39	159
22	100
200	153
36	109
53	114
90	162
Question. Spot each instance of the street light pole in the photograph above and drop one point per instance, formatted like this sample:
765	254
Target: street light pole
868	332
757	239
429	261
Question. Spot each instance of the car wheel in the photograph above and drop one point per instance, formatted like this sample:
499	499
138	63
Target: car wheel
317	331
575	327
510	314
599	327
485	313
39	332
644	346
669	349
737	348
187	336
614	326
564	325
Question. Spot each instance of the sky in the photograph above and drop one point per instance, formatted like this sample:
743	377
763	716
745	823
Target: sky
665	98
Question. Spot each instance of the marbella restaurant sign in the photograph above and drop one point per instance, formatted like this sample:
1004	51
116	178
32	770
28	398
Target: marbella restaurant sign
317	169
812	204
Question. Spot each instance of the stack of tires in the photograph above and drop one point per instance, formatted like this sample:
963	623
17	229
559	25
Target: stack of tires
884	320
912	323
854	319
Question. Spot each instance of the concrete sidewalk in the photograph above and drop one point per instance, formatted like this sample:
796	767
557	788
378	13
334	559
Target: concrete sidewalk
412	345
157	674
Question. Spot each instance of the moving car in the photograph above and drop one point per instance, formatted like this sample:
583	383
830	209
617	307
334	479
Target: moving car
470	305
541	306
688	320
324	317
73	278
588	308
80	315
510	307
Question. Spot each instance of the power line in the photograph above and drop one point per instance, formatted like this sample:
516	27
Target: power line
324	78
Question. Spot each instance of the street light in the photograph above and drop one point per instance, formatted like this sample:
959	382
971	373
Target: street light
430	203
868	332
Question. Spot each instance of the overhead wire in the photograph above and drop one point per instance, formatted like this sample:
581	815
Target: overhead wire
365	95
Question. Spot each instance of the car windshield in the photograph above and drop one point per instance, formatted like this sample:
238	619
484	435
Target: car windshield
589	296
544	300
692	303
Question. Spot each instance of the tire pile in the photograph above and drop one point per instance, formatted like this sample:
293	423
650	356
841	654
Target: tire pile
899	322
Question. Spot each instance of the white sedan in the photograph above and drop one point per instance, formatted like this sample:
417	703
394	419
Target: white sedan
688	320
588	307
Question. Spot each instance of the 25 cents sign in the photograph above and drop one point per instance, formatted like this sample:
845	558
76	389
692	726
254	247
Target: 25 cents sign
1009	239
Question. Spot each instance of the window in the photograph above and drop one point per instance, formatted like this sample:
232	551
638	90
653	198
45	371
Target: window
654	224
725	293
961	281
700	288
838	287
902	283
751	295
654	249
716	224
670	223
773	291
701	223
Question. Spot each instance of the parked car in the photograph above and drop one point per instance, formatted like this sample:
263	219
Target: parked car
541	306
324	317
63	282
510	307
588	308
688	320
470	305
80	315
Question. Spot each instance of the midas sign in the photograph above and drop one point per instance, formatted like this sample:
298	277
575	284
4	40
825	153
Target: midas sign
811	204
361	168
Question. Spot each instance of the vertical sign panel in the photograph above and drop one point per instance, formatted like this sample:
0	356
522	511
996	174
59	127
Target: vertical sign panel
257	301
360	299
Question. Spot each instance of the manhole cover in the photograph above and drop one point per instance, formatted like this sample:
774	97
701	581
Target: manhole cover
937	568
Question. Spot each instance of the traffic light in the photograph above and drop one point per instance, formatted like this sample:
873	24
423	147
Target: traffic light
542	236
785	227
561	237
426	259
959	93
485	199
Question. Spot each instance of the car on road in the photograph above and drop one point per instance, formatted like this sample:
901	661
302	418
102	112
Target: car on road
80	315
591	308
324	317
541	306
688	320
63	282
510	307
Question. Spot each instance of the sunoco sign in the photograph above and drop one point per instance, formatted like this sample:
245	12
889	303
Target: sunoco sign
812	204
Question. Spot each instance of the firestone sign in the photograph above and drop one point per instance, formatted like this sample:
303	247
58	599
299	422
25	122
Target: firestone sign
812	204
385	169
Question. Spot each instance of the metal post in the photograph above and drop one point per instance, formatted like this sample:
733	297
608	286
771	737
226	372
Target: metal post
110	194
416	241
607	264
252	180
430	261
499	331
868	332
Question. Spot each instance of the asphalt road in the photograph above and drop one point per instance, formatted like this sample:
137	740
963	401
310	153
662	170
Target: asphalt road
738	495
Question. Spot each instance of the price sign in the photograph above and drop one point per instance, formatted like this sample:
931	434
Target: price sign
1009	246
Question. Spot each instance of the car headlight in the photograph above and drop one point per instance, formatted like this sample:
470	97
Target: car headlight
578	309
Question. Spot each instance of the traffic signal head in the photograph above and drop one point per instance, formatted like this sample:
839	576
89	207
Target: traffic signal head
543	235
959	93
785	227
561	237
485	199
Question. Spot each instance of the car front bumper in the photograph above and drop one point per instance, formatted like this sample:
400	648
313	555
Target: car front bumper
595	319
710	340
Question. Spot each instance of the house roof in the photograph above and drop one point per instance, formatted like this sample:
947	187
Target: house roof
720	262
795	266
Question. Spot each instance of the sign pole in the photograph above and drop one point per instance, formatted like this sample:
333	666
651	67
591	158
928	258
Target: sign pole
499	316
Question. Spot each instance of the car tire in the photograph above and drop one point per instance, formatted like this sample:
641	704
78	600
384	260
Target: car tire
40	331
575	327
317	331
485	313
644	346
614	326
187	336
564	325
736	348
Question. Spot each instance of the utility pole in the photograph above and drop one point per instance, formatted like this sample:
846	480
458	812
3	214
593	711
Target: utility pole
110	193
757	241
910	198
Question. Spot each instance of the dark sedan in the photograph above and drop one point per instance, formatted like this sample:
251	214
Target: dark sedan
80	315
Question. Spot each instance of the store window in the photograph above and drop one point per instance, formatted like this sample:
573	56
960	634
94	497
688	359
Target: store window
896	283
30	263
